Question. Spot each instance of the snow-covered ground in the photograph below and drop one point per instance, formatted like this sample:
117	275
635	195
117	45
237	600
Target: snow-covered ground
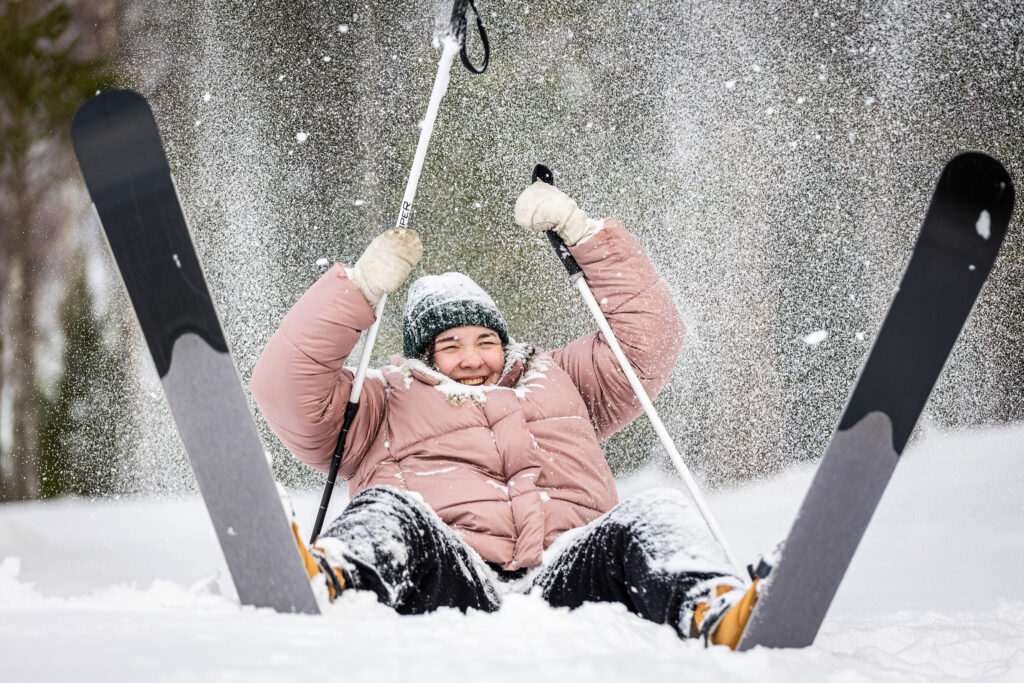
137	589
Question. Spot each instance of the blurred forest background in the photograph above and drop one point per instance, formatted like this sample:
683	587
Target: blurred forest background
775	159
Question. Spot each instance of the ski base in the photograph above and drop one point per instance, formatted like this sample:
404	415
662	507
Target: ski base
957	246
122	158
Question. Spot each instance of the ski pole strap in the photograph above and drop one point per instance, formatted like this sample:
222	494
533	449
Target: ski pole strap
542	172
458	29
350	413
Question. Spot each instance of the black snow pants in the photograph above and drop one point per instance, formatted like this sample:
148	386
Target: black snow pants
652	553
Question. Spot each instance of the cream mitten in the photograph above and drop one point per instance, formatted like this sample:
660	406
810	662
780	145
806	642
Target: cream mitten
544	207
386	263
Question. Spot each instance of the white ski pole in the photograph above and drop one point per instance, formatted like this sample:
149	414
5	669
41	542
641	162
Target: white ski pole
454	41
542	172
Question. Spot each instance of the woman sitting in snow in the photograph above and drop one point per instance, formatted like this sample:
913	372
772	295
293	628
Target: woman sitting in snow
474	462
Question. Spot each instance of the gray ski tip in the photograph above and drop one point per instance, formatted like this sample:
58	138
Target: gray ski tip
230	465
833	517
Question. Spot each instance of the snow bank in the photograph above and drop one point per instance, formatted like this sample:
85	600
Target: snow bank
125	590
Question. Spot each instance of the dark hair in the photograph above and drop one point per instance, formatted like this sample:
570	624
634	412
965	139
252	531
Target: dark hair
427	355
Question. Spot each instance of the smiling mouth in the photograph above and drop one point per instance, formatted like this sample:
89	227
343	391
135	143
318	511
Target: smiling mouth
472	381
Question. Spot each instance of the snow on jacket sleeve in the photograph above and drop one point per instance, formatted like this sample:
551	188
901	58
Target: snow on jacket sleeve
642	315
299	381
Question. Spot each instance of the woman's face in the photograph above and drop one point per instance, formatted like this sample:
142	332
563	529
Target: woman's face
471	355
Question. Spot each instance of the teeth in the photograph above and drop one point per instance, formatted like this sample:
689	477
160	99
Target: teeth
472	382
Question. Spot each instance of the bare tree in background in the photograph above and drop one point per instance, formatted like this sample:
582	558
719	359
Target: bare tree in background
42	81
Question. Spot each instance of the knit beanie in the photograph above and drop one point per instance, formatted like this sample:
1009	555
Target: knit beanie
440	302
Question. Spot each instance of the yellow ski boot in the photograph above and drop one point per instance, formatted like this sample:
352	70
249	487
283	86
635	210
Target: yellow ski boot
315	560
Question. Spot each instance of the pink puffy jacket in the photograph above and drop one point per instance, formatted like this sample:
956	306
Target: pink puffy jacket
510	466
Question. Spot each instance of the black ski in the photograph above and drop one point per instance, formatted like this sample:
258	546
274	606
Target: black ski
122	159
958	243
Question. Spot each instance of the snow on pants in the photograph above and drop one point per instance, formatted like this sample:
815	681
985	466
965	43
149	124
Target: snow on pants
652	553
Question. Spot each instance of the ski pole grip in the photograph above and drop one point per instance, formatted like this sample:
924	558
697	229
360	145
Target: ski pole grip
542	172
350	413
